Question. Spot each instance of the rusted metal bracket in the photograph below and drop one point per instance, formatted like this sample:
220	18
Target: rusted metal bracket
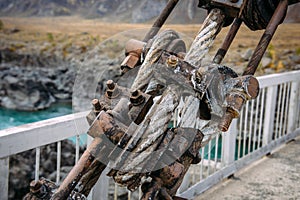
242	89
133	53
131	131
231	8
134	48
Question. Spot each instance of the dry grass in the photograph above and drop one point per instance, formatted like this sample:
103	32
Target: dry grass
90	32
288	35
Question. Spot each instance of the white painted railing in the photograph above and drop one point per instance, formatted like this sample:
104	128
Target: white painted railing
265	123
34	136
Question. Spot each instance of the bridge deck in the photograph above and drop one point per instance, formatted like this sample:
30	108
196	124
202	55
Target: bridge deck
274	177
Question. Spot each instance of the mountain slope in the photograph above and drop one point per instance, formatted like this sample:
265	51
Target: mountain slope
132	11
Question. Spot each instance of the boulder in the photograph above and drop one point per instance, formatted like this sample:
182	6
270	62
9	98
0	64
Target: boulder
34	88
247	54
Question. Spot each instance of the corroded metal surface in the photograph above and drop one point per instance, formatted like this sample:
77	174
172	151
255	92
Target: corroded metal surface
75	175
257	14
150	133
41	189
133	53
276	19
227	41
241	89
159	44
231	8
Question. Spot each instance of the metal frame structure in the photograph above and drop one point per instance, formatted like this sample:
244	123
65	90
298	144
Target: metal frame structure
109	121
211	169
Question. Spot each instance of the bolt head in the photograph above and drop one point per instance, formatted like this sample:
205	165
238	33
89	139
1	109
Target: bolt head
96	104
35	186
137	98
252	88
112	89
172	61
135	93
110	84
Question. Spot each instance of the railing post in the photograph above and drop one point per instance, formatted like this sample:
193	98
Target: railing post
293	107
101	188
268	127
228	143
4	175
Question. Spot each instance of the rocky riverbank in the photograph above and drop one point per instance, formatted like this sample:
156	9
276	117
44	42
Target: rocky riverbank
33	77
34	88
32	82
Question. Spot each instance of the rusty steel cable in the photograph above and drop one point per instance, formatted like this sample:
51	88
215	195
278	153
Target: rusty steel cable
239	89
257	14
266	37
76	173
227	41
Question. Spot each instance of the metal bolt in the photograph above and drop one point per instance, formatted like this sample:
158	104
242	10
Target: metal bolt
112	89
110	84
172	61
135	93
35	186
225	121
97	105
235	102
137	98
251	87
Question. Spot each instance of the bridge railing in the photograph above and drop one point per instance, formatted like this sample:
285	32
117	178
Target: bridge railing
265	123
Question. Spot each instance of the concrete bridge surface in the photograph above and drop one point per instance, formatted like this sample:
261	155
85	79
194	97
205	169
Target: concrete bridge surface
274	177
